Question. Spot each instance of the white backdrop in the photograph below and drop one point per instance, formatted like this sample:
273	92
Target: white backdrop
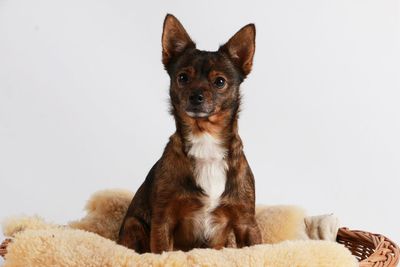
83	102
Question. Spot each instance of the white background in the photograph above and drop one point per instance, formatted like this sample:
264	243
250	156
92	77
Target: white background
83	102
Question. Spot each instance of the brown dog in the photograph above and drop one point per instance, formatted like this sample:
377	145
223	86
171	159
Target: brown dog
202	189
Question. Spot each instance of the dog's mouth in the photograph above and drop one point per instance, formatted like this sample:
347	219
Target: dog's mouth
199	112
196	114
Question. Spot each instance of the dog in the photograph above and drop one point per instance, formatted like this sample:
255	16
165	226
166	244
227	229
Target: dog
201	190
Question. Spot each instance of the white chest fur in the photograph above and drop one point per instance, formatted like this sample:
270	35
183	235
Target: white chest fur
210	174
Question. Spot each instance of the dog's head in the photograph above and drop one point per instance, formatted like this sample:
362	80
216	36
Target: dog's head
204	84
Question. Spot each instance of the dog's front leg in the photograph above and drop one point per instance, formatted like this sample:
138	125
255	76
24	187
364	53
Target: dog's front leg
161	235
247	233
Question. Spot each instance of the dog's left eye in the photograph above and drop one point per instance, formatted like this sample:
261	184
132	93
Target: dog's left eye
219	82
183	78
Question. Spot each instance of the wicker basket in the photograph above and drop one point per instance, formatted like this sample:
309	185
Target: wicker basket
370	249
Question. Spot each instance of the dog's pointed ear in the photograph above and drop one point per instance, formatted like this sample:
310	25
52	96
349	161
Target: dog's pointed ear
175	39
241	47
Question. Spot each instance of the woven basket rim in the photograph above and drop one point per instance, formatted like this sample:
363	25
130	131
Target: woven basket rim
371	250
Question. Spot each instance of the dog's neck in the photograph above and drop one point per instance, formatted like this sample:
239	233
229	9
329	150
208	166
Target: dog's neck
221	127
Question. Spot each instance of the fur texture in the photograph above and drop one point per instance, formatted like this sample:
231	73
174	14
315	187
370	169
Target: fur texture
75	248
210	174
37	243
106	209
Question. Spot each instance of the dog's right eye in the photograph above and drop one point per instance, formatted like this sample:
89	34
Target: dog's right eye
183	78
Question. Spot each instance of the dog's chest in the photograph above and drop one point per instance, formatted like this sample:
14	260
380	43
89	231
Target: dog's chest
210	174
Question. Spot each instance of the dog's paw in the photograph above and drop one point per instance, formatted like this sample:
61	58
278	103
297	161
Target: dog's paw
323	227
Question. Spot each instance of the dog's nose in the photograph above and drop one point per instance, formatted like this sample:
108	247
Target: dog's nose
196	98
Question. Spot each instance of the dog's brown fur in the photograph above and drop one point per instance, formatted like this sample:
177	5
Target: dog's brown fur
162	214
